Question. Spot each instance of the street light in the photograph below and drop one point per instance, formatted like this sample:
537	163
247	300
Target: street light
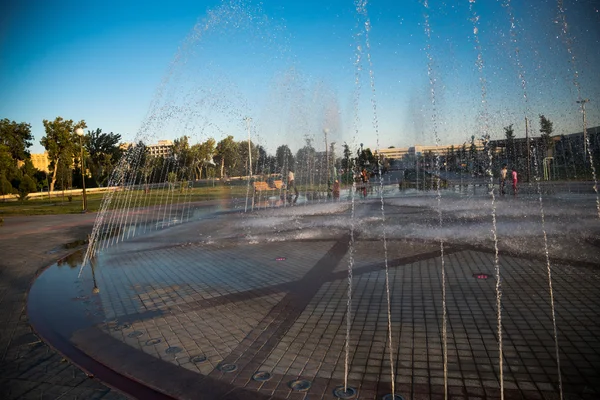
325	132
248	120
79	133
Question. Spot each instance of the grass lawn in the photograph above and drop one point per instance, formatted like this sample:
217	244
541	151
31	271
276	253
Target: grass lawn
137	198
121	199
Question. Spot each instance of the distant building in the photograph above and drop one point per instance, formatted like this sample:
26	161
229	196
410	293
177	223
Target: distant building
162	149
398	153
40	161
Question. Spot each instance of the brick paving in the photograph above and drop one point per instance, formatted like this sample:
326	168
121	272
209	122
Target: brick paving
29	369
201	307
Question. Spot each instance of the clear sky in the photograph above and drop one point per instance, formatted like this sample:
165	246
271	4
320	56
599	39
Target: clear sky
157	70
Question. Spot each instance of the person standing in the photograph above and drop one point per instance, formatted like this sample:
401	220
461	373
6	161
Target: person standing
291	182
336	190
503	174
515	180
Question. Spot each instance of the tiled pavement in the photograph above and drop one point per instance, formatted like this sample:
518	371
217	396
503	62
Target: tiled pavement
184	302
192	307
29	369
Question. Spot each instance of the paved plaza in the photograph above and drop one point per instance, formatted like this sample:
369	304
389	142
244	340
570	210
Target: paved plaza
255	305
29	368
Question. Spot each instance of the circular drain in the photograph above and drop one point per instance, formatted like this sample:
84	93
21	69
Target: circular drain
153	341
135	334
300	385
227	367
392	397
121	327
344	393
173	350
198	359
261	376
481	275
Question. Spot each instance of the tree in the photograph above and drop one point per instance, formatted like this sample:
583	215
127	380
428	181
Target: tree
5	186
60	143
26	186
546	129
263	164
104	152
16	137
365	158
305	161
285	158
8	165
243	154
202	154
509	133
347	163
473	156
182	155
226	154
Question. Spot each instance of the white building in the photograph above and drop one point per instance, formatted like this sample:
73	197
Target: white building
162	149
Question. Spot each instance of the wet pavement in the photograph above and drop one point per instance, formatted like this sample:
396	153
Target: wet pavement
29	368
255	305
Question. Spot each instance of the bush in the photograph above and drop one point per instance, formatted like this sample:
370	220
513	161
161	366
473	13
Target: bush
26	186
5	186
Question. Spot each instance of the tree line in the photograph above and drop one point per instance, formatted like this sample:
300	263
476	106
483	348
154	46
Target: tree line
102	153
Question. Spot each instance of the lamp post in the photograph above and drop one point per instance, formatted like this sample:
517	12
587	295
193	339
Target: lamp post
582	102
325	132
248	120
79	133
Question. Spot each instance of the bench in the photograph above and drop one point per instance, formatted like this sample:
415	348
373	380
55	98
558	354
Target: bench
264	186
260	186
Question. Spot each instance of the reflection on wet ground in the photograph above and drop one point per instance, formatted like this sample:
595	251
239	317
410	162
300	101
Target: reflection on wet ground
235	305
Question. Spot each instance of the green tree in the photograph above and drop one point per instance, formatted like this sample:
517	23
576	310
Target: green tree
473	155
243	154
509	134
546	129
16	137
366	158
183	158
26	186
285	158
263	164
202	154
8	165
5	186
227	155
104	153
60	143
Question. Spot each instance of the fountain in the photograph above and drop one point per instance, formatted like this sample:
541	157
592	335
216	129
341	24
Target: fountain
206	273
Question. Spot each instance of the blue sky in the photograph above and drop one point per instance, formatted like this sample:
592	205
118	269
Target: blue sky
157	70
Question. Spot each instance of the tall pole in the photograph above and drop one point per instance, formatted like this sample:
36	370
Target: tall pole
248	119
582	102
326	131
528	149
79	132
